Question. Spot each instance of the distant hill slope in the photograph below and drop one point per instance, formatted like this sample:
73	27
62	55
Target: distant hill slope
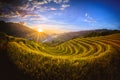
20	30
87	33
15	29
102	32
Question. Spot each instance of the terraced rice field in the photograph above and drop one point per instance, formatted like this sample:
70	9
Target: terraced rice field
82	48
93	58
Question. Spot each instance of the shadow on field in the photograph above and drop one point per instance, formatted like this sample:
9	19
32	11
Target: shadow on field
8	71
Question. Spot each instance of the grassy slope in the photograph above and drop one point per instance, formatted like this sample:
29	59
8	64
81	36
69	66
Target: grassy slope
96	58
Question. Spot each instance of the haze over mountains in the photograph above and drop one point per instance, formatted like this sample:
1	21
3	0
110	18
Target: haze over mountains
20	30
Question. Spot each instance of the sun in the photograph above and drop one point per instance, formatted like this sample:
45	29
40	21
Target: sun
40	30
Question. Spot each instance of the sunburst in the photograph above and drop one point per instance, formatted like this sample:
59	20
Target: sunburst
40	30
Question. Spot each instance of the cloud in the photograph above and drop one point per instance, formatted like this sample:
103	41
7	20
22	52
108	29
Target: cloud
30	0
86	14
25	8
58	1
38	18
13	7
88	18
64	6
8	16
66	1
53	9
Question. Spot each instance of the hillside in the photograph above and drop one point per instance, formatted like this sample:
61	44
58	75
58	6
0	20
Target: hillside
72	35
22	31
92	58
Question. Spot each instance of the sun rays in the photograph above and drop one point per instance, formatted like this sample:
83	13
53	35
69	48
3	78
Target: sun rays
38	35
40	30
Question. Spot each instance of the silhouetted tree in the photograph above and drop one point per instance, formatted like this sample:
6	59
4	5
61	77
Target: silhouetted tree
2	22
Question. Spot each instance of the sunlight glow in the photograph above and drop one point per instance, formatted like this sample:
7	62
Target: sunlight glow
40	30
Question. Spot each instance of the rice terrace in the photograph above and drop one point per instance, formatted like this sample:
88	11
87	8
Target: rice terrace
97	55
39	42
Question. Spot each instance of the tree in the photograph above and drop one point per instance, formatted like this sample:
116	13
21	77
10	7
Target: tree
2	22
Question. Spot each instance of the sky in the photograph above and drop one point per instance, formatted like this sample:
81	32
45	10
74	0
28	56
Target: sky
63	15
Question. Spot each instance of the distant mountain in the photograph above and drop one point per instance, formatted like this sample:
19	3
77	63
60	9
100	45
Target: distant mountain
87	33
20	30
